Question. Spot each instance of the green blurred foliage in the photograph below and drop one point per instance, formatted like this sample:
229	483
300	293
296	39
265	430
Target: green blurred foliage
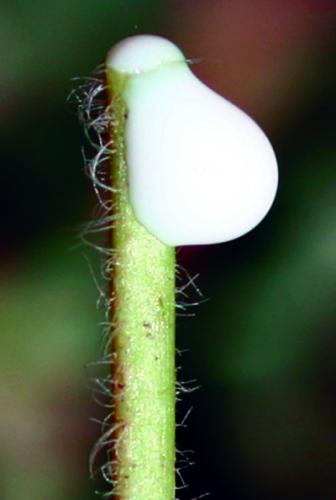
279	305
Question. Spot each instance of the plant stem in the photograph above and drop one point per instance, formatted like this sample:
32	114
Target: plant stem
143	343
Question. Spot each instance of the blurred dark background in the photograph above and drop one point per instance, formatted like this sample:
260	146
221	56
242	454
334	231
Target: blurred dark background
263	423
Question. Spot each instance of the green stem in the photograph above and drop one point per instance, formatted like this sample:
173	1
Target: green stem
143	341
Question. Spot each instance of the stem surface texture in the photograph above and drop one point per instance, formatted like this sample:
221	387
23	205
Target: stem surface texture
143	343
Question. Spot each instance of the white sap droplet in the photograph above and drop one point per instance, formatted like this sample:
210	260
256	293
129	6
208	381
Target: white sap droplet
200	170
140	53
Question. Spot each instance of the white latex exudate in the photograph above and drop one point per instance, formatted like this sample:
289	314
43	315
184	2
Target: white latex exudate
200	170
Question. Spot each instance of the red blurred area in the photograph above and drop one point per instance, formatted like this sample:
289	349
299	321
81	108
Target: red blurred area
263	55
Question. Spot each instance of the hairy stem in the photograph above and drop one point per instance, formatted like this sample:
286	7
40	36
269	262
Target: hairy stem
143	293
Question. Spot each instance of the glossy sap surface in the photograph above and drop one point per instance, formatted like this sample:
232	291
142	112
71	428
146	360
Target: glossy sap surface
200	170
